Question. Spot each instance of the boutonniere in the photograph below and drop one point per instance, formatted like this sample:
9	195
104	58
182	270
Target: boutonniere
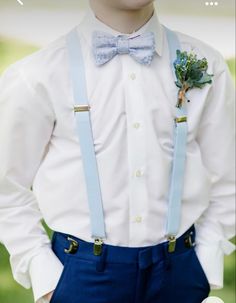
190	72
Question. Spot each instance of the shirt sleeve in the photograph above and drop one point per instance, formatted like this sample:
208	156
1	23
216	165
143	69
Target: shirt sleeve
216	138
26	124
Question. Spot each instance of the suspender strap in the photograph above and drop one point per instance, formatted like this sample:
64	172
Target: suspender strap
85	135
178	164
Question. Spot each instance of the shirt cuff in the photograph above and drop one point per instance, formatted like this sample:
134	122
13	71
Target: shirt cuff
211	258
42	300
44	265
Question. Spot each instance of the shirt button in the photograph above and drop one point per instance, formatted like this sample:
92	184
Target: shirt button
138	219
132	76
136	125
138	173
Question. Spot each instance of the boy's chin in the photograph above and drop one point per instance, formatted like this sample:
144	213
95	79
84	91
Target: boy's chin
131	4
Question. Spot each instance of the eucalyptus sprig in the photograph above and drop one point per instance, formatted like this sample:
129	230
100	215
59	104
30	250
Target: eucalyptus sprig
190	72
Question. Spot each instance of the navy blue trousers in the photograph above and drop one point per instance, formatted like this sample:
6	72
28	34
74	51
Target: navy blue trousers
130	274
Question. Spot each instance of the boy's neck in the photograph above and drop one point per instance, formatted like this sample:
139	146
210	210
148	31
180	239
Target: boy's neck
123	21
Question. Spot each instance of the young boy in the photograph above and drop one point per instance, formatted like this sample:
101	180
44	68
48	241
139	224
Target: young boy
131	104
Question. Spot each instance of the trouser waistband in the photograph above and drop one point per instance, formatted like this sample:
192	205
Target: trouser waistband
142	256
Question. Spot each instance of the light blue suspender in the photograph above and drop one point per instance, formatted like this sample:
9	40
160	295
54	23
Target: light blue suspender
84	130
178	163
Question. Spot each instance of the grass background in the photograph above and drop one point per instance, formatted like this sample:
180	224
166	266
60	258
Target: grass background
10	291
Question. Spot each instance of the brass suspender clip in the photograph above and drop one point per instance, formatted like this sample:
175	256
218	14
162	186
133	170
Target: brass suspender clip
180	119
81	108
73	246
171	244
97	247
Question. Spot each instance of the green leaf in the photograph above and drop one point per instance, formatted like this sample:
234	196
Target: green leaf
190	70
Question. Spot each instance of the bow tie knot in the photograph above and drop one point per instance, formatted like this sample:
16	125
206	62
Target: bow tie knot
122	45
106	46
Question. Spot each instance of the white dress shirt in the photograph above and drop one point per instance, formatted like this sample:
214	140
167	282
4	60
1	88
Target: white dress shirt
132	112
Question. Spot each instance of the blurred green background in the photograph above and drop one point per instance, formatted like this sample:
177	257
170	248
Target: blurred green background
10	291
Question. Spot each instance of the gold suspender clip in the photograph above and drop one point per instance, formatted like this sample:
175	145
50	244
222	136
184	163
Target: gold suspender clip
97	247
73	246
81	108
171	244
180	119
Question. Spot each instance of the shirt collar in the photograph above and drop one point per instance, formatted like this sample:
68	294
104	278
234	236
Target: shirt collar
90	22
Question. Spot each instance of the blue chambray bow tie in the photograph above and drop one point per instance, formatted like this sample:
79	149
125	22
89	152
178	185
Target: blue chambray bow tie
106	46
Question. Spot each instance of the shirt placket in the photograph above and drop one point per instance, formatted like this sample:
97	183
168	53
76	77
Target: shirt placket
136	134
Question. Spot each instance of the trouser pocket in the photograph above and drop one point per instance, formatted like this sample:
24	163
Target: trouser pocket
186	281
81	282
63	281
202	272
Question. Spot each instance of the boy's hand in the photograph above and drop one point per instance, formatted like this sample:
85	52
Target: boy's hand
48	296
